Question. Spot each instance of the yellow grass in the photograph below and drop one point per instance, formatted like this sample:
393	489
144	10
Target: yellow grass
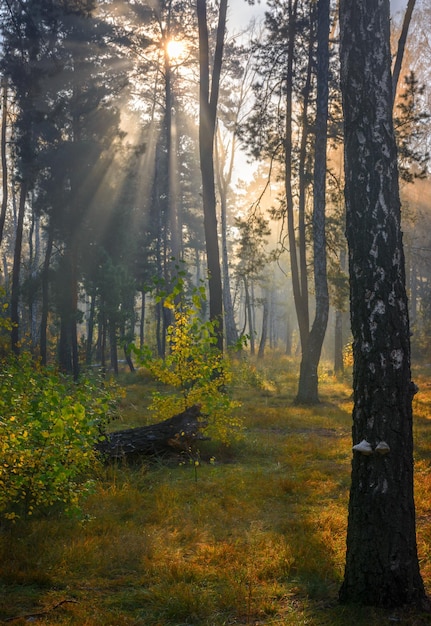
258	538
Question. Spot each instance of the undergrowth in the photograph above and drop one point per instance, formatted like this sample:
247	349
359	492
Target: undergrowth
256	536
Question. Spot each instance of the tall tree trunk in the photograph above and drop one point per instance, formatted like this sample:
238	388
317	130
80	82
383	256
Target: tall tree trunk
265	323
300	299
249	315
34	263
142	321
338	343
90	327
382	566
113	352
3	149
401	45
229	318
68	342
16	270
223	183
308	378
208	99
172	166
45	298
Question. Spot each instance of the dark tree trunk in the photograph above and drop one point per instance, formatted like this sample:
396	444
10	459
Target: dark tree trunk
229	318
249	316
381	563
128	358
265	323
338	343
90	328
299	278
68	342
3	149
308	378
401	45
45	299
208	98
113	352
16	270
178	434
142	320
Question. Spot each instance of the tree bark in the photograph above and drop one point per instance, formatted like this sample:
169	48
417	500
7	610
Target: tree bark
208	99
381	562
3	149
44	314
224	180
16	270
338	343
299	279
178	434
265	323
308	378
401	45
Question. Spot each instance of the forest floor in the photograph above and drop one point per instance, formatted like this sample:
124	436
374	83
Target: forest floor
253	535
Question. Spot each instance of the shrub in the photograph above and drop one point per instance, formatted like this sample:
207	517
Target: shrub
194	370
48	428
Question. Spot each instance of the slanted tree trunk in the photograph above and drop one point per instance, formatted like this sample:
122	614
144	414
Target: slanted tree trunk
382	566
401	45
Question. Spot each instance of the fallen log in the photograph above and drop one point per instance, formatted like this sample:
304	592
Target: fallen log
178	434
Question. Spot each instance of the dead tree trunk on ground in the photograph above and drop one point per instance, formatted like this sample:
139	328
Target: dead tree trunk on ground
178	434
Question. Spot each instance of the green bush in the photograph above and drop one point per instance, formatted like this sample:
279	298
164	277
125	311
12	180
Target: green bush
48	428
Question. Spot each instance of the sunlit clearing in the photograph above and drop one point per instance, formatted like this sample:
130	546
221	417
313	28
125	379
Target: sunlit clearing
175	49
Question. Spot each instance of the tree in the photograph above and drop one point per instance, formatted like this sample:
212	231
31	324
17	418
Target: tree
208	98
289	122
401	45
381	563
308	378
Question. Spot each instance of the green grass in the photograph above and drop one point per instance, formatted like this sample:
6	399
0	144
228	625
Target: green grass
255	537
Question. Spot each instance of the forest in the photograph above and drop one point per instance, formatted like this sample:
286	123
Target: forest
215	301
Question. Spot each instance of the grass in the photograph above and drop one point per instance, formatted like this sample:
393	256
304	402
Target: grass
256	537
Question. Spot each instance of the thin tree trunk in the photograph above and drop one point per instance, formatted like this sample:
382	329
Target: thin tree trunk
3	148
45	298
16	270
142	321
113	346
90	327
223	183
401	46
265	322
249	316
338	343
298	280
34	299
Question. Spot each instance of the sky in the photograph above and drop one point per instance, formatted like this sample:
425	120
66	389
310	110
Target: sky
240	12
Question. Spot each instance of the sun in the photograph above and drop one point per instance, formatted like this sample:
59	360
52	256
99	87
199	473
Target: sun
175	49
